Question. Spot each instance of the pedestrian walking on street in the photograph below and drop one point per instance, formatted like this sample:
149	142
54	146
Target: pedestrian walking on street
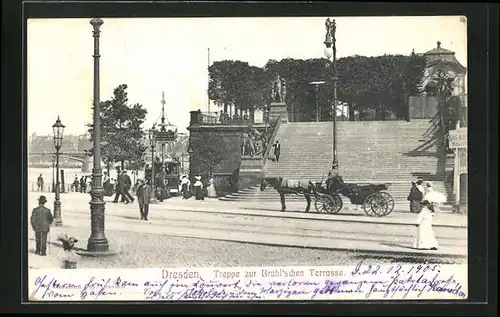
88	184
185	184
76	184
41	219
425	238
415	198
82	184
198	188
127	187
143	196
39	183
211	192
120	189
277	150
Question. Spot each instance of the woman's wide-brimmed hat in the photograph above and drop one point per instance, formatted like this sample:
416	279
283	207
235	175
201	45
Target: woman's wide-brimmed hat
198	178
42	199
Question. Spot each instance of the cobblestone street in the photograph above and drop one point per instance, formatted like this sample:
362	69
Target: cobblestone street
212	233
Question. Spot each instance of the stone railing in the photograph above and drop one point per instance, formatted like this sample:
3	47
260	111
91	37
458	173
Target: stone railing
273	131
215	118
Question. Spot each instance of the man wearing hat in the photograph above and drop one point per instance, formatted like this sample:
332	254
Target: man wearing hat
334	179
143	196
127	186
41	219
277	150
120	188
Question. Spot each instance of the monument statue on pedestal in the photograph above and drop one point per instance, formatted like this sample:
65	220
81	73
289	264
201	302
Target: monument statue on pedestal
278	95
278	89
283	89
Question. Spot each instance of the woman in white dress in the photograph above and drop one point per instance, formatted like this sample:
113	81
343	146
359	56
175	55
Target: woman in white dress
425	238
89	184
211	188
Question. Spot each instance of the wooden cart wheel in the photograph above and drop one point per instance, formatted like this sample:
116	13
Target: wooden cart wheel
379	205
367	204
328	204
389	203
318	203
338	203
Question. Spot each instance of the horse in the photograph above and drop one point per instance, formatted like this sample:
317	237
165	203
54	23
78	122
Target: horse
286	187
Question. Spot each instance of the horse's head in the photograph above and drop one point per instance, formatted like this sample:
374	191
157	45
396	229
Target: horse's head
274	182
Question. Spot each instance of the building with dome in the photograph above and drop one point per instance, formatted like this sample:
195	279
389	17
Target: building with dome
442	64
445	74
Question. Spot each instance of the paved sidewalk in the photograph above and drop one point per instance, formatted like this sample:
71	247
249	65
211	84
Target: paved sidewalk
79	226
295	211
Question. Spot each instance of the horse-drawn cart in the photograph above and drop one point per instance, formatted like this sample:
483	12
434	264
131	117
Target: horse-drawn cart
372	197
327	199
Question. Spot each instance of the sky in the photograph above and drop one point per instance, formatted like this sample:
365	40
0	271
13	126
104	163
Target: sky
170	55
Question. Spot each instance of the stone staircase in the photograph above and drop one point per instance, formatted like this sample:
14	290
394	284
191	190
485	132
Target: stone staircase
368	152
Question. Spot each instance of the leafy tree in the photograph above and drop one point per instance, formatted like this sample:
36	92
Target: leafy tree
218	85
378	83
121	131
236	83
414	73
210	150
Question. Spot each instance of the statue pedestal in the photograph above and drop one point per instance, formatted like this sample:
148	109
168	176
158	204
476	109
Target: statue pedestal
278	109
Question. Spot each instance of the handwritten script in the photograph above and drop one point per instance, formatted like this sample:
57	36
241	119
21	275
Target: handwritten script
363	281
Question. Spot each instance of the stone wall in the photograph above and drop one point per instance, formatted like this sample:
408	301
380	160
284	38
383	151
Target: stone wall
229	174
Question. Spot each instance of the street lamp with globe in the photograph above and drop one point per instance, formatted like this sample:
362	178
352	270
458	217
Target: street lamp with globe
58	130
330	52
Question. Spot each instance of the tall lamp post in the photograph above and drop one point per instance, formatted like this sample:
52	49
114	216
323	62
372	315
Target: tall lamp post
152	144
53	172
58	130
331	51
97	243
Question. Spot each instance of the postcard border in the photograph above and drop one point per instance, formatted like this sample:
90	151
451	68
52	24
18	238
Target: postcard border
11	76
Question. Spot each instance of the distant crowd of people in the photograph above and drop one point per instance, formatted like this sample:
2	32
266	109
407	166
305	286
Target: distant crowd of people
82	185
198	188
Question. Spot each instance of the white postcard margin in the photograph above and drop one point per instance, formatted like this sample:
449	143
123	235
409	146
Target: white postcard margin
357	282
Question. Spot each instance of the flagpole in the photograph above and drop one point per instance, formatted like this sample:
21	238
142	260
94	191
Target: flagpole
208	95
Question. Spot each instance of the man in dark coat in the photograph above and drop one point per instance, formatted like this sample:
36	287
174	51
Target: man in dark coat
39	183
127	187
41	219
143	196
277	150
120	189
82	184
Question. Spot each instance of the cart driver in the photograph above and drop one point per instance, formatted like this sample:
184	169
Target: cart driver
334	179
